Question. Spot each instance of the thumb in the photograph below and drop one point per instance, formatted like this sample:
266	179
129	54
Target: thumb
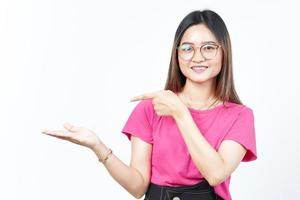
71	128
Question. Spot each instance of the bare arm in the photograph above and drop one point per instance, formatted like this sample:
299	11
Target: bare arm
215	166
134	178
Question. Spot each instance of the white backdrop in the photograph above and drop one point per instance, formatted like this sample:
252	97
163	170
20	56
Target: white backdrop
81	61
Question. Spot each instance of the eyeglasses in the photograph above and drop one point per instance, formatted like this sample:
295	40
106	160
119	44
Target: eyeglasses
208	51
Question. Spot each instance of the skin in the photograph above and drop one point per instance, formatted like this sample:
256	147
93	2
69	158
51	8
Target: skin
199	87
214	165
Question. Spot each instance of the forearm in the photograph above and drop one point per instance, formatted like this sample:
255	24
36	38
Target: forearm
128	177
206	158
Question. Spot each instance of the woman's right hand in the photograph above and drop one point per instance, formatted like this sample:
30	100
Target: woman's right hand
77	135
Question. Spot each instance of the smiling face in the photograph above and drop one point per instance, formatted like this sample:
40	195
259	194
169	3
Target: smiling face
198	69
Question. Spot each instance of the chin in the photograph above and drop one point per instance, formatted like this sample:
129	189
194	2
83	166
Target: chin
200	78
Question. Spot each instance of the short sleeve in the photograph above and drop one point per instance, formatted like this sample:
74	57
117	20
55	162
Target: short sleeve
243	132
140	120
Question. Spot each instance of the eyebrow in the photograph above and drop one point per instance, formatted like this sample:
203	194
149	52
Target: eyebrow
204	42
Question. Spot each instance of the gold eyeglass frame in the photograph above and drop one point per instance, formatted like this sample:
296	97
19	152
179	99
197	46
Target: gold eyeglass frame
200	47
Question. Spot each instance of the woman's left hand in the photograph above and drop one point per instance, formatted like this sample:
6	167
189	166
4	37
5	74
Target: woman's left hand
165	102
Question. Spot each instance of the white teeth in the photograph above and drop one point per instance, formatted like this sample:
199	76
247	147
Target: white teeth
199	67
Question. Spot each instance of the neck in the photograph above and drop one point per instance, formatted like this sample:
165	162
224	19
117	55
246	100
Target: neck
199	94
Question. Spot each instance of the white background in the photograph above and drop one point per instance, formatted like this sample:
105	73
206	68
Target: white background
81	61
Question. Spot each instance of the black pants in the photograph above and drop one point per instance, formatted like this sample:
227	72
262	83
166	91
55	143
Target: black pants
199	191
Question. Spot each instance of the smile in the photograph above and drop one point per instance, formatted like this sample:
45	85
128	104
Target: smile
199	69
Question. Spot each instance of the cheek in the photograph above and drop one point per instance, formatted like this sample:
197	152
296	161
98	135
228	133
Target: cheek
218	61
182	64
216	65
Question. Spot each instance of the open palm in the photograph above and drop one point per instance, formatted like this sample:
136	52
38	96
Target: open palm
77	135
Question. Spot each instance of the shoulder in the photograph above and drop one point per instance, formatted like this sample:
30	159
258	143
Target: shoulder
145	104
145	108
238	109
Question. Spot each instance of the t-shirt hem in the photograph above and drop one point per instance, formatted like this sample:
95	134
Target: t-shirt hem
130	133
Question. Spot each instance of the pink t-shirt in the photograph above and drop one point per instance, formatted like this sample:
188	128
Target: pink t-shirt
172	164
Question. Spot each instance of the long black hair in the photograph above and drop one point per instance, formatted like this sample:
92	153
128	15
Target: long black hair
225	90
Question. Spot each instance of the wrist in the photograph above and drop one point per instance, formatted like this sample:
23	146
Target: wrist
96	145
100	150
103	160
181	114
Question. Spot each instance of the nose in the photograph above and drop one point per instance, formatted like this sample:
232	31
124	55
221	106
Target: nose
198	56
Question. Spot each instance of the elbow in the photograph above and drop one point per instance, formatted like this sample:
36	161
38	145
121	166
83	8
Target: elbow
140	191
213	182
139	194
216	179
139	187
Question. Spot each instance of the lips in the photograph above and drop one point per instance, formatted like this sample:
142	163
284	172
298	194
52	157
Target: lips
199	68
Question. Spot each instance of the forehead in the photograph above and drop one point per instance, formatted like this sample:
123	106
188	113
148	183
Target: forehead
198	34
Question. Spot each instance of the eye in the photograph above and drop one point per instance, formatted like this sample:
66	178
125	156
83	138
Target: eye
209	47
186	47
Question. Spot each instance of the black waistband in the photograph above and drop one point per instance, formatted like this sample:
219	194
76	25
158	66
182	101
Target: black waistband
202	184
200	190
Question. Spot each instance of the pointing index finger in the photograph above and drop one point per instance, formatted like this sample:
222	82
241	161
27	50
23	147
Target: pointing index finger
143	96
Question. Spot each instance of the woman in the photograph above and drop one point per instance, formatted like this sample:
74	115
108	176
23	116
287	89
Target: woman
187	139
